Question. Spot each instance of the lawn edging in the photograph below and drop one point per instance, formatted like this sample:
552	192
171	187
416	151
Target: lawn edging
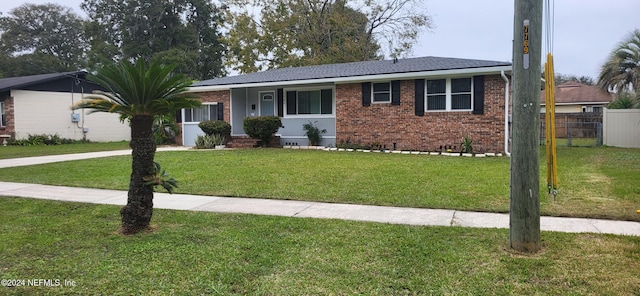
412	152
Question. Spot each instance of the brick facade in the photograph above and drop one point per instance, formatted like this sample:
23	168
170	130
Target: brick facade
385	124
10	126
223	97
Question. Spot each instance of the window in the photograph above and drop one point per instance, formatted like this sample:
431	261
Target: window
3	119
205	112
382	92
461	94
305	102
437	94
451	94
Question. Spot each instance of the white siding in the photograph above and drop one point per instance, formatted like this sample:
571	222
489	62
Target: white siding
621	127
49	113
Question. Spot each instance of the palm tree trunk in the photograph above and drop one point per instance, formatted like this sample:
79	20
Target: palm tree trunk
136	215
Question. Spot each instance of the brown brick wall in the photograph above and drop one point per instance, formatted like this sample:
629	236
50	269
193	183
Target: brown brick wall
223	96
10	127
385	124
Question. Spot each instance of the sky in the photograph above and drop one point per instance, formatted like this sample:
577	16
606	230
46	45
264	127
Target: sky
584	31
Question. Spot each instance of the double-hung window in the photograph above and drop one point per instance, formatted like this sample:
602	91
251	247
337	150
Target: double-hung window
305	102
382	92
450	94
204	112
437	94
461	94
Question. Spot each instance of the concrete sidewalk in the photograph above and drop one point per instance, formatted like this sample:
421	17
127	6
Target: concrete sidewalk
305	209
291	208
25	161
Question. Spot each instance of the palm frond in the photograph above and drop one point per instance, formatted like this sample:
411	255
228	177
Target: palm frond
139	89
621	71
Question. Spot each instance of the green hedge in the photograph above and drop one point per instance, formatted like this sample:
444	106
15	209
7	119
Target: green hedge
262	128
215	127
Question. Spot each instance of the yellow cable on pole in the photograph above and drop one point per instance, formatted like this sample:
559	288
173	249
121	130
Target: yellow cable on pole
554	160
547	125
550	102
550	124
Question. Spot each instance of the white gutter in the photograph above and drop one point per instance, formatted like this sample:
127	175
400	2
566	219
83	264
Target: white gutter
506	113
356	79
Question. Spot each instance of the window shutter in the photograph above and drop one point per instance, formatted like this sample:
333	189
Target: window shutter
280	102
179	116
478	95
419	97
395	92
366	94
220	111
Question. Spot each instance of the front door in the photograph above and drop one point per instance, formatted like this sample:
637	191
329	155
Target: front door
267	104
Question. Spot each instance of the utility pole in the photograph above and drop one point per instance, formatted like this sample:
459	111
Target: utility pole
524	220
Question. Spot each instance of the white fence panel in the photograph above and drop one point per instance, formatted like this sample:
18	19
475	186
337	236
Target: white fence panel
621	127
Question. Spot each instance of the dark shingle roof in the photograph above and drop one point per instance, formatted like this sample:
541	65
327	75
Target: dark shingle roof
355	69
24	81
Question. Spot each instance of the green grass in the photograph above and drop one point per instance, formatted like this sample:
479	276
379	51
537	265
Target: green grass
29	151
576	142
194	253
594	182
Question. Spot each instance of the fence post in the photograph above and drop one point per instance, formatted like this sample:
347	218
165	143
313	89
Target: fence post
569	134
598	134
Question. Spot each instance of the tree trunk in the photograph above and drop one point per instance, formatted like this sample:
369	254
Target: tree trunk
136	215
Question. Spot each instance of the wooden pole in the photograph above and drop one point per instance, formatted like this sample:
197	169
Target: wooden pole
524	223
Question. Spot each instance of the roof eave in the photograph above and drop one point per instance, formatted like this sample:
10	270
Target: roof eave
52	78
364	78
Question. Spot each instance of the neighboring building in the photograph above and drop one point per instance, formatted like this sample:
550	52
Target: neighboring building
41	104
575	97
426	104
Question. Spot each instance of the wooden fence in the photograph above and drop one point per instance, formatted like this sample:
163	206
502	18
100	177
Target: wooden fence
576	129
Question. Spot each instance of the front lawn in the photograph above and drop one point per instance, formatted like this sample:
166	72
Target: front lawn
195	253
594	182
40	150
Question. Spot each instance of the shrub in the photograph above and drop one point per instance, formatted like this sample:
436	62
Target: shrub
262	128
215	127
165	129
466	145
209	142
313	133
41	140
623	102
205	142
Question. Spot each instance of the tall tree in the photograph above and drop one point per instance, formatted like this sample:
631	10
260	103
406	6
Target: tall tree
311	32
621	71
184	32
49	33
562	78
139	93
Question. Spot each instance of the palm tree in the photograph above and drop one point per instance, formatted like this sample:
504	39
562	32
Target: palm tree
622	102
139	93
621	72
